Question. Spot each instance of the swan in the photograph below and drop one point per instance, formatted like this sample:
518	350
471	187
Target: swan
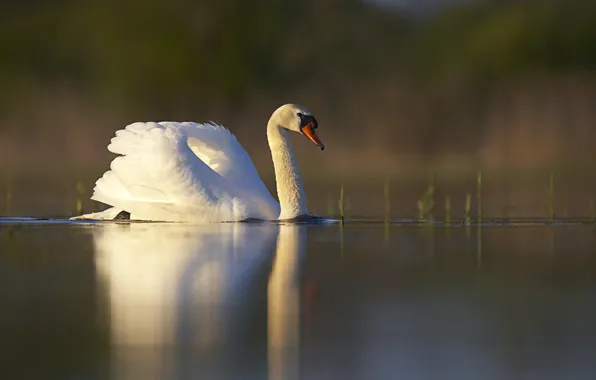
199	172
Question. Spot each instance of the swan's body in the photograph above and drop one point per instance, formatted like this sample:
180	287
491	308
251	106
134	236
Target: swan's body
171	171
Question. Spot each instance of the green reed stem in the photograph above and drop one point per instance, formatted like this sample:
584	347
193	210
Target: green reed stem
340	203
468	206
447	209
80	195
479	194
427	203
387	194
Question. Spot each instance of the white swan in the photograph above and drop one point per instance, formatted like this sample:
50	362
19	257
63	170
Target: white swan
193	172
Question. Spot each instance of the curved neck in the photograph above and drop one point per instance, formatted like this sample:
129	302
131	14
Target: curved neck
290	191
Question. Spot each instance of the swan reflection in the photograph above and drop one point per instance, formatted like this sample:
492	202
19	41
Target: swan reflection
188	300
284	304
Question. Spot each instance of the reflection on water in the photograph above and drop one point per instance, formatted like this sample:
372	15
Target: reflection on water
250	301
284	304
190	287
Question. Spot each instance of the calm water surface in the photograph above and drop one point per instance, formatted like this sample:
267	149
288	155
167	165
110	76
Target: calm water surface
250	301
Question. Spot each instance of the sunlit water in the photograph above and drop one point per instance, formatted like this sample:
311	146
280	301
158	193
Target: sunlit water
266	301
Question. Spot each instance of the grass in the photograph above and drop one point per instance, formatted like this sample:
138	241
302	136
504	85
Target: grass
447	209
467	207
479	194
387	195
426	204
80	197
340	203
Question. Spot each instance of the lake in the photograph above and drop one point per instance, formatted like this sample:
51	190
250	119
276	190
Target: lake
268	301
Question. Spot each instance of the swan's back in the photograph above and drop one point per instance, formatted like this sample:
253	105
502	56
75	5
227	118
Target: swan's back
186	171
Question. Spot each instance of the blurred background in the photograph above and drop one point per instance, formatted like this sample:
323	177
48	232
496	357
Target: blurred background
406	93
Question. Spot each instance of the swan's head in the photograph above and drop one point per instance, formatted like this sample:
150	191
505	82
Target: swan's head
297	119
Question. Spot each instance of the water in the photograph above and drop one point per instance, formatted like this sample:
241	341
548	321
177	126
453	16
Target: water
255	301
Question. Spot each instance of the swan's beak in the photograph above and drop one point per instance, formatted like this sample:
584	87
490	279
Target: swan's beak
309	131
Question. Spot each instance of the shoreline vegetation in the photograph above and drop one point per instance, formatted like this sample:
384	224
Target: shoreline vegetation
503	82
549	196
499	85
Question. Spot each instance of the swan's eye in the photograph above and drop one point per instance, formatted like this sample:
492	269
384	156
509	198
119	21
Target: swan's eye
306	120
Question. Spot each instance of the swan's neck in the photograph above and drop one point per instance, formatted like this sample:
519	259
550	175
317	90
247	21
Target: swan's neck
290	191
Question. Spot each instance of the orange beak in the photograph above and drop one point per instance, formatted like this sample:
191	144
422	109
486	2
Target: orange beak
312	135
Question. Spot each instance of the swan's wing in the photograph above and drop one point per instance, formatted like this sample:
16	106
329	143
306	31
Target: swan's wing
219	149
159	177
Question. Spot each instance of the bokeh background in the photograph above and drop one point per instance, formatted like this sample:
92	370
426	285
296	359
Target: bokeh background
406	92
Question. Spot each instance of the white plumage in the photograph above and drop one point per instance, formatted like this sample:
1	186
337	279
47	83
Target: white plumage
172	171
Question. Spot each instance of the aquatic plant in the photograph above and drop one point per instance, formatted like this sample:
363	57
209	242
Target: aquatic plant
447	209
427	203
340	203
387	201
479	194
468	205
80	195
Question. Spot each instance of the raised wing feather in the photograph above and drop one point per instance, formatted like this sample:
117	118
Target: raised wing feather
219	149
160	177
